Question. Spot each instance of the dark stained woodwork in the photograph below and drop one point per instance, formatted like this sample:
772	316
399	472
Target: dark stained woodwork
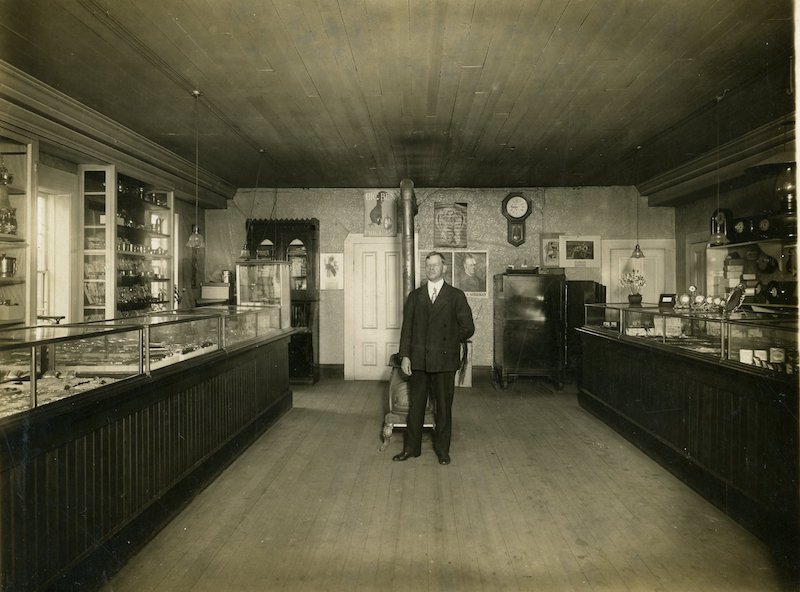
729	432
449	93
76	473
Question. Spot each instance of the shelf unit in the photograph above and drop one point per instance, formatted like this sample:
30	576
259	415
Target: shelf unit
767	270
297	242
17	264
127	258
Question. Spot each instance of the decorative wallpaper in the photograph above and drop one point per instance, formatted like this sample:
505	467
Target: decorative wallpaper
609	212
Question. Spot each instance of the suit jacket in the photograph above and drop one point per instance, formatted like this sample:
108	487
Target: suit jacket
433	333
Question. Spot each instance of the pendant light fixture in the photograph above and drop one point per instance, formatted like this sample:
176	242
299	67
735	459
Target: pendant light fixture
637	250
720	218
196	240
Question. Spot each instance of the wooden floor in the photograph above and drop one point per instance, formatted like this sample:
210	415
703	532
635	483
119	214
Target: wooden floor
540	496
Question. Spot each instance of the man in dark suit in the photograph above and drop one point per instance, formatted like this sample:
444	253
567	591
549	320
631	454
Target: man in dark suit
436	320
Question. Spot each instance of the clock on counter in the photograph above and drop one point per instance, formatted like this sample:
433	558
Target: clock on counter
516	208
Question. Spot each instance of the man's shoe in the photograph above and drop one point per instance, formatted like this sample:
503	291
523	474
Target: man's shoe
444	459
405	455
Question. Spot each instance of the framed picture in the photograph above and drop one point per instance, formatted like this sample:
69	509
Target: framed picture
550	250
579	251
332	266
469	272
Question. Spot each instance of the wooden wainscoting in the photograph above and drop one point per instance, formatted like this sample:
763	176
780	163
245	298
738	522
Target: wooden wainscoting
74	475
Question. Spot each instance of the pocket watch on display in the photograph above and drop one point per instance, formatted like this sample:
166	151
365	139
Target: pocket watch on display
516	208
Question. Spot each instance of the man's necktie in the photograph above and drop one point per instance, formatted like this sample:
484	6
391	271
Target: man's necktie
433	295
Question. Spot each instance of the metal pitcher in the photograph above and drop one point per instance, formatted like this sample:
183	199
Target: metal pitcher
8	266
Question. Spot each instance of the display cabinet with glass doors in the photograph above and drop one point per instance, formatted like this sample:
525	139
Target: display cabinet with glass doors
127	258
18	156
297	243
265	284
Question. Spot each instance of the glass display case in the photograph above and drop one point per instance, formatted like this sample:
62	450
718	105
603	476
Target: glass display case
265	284
767	340
173	336
39	365
241	324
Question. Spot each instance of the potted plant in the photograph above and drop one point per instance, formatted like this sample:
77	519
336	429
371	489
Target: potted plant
633	281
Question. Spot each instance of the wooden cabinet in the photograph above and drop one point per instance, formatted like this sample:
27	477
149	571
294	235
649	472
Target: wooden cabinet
126	245
295	241
529	327
17	229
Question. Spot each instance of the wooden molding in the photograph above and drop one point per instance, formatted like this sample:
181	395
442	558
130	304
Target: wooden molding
66	126
728	162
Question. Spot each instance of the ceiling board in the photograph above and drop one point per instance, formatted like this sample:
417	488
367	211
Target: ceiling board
446	92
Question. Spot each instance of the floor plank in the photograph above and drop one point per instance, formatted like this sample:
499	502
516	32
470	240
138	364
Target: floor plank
540	496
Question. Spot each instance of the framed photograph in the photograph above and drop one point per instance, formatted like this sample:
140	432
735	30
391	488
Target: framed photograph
332	266
579	251
469	272
448	261
550	250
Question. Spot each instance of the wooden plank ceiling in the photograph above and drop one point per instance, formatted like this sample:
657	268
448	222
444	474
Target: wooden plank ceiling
364	93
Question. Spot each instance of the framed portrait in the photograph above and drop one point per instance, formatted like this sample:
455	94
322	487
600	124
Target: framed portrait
448	261
579	251
332	266
469	272
550	250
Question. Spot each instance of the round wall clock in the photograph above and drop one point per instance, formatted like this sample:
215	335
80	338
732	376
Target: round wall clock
516	208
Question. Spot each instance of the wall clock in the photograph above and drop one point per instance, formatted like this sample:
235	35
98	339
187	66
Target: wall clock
516	208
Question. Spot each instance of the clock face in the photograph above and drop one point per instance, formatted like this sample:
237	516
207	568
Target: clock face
517	206
763	224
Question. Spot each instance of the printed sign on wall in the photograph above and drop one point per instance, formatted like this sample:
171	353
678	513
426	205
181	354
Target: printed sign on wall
450	225
380	213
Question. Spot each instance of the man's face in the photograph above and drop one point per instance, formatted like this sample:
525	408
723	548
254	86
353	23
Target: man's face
469	266
434	268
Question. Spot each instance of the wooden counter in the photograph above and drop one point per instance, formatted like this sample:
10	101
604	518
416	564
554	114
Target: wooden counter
729	432
87	479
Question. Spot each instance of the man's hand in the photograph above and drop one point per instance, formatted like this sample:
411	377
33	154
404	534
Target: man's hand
405	366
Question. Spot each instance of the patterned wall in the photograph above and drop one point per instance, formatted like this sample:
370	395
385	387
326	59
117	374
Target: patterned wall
606	211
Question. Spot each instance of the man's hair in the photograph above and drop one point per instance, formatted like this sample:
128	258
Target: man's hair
434	254
470	257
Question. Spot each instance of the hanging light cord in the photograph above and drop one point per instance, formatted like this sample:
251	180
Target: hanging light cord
196	94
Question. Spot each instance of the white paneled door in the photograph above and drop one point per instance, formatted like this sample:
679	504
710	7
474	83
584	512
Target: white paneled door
657	266
373	305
